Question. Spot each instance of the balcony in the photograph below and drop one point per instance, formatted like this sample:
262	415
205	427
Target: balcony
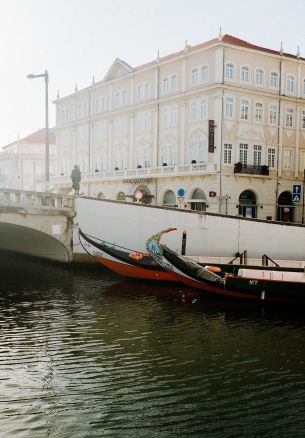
145	172
251	169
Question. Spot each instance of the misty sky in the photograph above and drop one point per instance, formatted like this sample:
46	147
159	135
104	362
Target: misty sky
77	39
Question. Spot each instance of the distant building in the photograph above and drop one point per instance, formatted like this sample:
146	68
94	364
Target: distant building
224	121
22	163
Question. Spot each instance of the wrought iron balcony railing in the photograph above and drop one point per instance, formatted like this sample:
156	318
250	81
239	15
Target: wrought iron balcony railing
251	169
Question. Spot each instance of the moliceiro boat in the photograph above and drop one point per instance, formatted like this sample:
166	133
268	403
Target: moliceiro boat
255	284
123	261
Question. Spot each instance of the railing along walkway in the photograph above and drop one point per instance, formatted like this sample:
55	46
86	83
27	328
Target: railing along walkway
37	200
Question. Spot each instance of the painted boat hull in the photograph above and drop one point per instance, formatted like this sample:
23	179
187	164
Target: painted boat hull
194	275
118	260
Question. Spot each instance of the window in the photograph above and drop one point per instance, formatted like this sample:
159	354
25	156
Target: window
259	77
290	84
244	109
204	73
257	155
287	159
195	76
100	130
244	74
203	109
100	104
303	119
289	118
169	116
303	86
143	91
273	80
147	90
194	111
258	112
169	154
124	97
165	85
120	126
227	153
198	151
199	110
229	71
271	157
173	116
143	121
229	107
243	153
174	83
273	114
140	92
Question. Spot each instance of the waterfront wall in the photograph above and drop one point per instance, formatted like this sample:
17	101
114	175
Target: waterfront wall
130	224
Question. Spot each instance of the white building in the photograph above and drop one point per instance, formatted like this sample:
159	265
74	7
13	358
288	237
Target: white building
223	120
22	163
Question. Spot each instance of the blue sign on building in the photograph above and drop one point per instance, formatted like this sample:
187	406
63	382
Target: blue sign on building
181	192
296	192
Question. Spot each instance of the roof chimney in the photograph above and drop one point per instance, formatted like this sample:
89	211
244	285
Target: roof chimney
298	52
281	50
75	88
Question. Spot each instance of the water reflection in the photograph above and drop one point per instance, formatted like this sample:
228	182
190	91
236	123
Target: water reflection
85	353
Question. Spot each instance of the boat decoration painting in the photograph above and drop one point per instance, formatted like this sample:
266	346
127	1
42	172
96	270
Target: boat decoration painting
274	285
123	261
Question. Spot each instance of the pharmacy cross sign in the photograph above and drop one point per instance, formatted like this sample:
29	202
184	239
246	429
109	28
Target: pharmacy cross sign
296	192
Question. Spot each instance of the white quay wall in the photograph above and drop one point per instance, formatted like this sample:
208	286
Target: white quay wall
130	225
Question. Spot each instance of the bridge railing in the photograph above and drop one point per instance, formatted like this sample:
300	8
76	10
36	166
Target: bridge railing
44	200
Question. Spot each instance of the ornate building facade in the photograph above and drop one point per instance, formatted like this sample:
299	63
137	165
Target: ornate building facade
219	126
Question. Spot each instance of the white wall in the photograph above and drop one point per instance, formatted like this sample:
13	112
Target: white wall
130	225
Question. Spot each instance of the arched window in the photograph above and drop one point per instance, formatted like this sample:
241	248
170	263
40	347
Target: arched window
195	76
247	204
290	84
204	73
174	83
273	80
198	200
165	85
229	71
259	76
244	74
169	198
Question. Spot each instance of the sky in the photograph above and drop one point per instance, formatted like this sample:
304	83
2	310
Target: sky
75	40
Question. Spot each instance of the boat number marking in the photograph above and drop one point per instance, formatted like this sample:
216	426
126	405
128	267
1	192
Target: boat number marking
253	282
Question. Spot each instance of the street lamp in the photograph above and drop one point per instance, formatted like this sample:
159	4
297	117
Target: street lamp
45	75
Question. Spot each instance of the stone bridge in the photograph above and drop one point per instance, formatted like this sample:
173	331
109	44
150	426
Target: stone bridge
37	224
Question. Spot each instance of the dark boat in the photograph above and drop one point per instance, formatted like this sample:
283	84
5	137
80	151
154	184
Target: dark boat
123	261
255	284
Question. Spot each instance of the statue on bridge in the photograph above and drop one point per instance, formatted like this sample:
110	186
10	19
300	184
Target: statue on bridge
76	177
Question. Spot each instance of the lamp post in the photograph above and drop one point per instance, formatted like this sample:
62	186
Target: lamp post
45	75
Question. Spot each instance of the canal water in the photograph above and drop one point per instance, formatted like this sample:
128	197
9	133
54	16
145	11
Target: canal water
84	353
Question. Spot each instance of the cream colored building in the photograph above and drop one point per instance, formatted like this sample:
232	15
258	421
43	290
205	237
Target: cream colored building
144	132
22	162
